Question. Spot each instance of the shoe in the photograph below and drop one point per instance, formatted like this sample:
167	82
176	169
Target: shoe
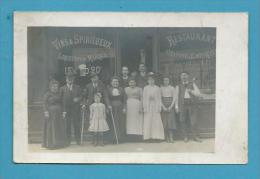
186	139
197	139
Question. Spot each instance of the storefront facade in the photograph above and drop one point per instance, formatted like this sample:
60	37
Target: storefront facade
105	50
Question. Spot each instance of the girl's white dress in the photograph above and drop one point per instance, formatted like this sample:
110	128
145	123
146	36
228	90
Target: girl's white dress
152	127
98	121
134	115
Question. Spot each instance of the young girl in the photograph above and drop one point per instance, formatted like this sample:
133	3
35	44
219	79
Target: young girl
168	113
98	123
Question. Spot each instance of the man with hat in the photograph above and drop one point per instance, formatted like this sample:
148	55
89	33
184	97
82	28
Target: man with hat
93	87
71	96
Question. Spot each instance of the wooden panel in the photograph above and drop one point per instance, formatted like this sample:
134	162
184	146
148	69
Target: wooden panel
35	123
206	118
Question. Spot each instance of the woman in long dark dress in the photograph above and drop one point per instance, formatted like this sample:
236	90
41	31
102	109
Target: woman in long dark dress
54	123
117	101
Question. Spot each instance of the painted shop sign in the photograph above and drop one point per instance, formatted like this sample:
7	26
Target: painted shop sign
189	54
174	39
85	70
83	59
80	40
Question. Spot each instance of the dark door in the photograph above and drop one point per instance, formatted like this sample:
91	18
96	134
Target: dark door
136	46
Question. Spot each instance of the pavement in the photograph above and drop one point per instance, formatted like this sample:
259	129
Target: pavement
206	146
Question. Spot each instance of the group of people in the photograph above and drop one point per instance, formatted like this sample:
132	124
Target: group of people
131	107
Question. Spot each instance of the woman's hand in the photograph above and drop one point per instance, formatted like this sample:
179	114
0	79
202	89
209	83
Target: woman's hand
46	114
109	108
83	107
75	100
64	114
124	110
177	109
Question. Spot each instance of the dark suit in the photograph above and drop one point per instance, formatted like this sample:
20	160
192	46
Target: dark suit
188	110
72	109
124	82
141	81
90	90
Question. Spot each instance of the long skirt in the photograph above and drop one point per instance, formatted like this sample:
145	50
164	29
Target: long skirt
168	117
119	119
153	127
134	118
54	129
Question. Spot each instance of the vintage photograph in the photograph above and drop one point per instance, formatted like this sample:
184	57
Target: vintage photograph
130	88
121	89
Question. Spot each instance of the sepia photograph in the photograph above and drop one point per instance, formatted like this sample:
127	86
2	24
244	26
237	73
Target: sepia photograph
129	90
125	89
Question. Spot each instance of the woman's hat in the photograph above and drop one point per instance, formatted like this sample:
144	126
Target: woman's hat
151	75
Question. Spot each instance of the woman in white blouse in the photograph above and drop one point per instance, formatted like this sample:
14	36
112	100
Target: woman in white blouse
169	98
152	127
134	114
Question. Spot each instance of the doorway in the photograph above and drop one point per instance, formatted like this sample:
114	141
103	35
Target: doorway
136	46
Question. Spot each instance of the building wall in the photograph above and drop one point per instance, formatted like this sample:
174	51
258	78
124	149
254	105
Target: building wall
44	62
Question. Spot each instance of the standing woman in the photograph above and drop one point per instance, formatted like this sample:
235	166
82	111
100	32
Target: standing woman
134	108
168	114
116	96
153	127
54	125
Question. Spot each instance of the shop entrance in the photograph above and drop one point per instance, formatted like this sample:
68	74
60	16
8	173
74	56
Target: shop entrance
136	46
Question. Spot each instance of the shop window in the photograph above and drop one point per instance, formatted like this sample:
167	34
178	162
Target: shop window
191	50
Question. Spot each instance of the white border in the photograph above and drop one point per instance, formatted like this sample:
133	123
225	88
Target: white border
231	144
